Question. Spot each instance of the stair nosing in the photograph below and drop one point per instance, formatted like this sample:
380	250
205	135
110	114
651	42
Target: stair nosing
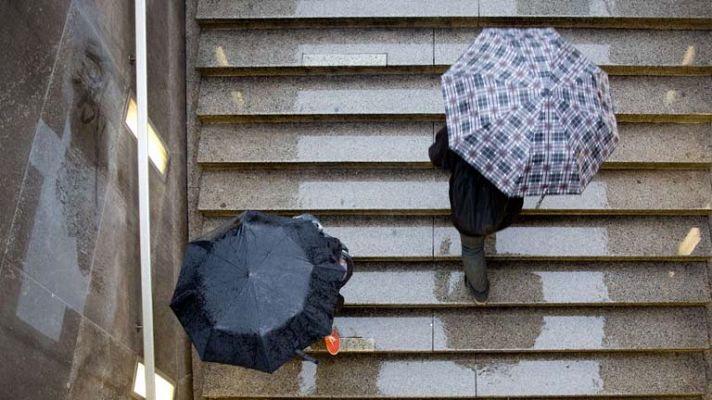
583	22
208	165
353	212
207	118
691	395
531	305
289	70
414	259
529	352
683	396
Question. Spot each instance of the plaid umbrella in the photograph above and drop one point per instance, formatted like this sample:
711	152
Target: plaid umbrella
529	111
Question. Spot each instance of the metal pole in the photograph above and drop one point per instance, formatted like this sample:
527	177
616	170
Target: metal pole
143	199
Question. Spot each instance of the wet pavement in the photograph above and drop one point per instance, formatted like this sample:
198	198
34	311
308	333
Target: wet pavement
377	47
521	283
528	329
596	8
463	375
417	96
426	191
69	276
226	9
547	237
405	144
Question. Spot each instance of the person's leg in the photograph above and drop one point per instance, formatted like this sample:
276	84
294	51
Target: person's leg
473	260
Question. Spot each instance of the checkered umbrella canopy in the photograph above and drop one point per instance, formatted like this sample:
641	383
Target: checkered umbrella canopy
529	111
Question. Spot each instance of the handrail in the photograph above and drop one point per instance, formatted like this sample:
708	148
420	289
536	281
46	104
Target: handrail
143	200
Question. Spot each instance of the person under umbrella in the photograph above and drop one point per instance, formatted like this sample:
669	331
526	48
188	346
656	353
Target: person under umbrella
478	209
532	116
258	290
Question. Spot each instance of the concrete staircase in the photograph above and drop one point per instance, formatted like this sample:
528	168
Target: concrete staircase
329	107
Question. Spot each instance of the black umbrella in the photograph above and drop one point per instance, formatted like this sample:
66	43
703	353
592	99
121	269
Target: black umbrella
259	289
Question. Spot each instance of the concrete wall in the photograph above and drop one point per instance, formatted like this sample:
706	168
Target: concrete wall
69	269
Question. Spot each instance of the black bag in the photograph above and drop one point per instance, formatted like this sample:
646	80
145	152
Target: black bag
477	207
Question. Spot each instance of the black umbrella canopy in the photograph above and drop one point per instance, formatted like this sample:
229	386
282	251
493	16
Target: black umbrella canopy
258	289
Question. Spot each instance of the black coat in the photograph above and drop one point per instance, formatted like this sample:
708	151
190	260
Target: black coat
478	207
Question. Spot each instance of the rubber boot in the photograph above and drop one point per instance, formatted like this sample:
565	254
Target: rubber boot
473	260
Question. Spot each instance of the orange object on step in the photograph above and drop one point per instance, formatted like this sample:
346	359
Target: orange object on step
333	342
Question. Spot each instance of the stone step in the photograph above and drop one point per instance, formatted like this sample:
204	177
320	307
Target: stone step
650	14
451	376
587	329
410	238
542	330
418	97
309	51
526	283
597	237
405	144
618	51
425	192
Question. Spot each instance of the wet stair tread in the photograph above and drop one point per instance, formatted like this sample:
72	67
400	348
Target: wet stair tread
359	13
405	144
568	238
607	237
581	329
358	191
224	99
525	283
391	375
605	47
277	51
